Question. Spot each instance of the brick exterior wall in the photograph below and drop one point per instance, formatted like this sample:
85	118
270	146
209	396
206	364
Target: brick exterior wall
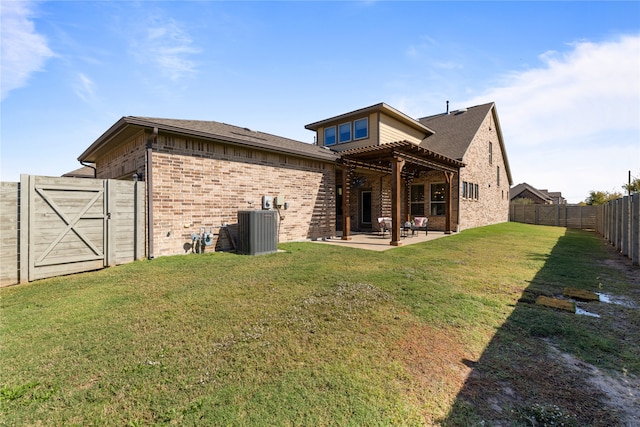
200	184
492	204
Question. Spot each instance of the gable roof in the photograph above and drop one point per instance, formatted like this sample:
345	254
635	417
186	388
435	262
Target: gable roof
455	131
520	188
381	107
210	130
82	172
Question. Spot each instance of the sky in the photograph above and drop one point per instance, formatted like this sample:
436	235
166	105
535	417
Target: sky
565	76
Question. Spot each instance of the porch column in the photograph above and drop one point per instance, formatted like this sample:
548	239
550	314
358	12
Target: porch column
407	202
346	201
396	200
447	201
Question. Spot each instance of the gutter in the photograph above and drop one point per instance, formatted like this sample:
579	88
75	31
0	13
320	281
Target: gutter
95	170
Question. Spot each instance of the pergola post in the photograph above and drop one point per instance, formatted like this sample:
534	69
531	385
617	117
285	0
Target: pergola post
447	201
346	201
396	200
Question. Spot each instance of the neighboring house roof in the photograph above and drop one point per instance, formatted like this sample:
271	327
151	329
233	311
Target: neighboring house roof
381	107
211	130
520	188
83	172
455	131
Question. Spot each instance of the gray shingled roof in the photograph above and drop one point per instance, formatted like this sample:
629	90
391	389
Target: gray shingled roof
454	131
214	131
518	189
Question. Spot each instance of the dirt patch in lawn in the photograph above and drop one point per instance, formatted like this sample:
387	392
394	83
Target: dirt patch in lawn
524	379
435	361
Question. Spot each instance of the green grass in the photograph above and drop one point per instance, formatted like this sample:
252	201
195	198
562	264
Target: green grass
316	335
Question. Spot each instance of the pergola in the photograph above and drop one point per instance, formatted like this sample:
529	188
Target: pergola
403	160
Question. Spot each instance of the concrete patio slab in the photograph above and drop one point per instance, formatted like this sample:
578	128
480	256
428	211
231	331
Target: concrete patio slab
376	241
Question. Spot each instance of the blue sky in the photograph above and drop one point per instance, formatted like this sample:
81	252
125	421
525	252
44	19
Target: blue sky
565	76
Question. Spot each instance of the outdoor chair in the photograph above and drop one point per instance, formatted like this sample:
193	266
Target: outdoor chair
420	223
385	224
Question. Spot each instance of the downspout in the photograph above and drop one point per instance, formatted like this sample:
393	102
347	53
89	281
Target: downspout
459	204
95	170
150	142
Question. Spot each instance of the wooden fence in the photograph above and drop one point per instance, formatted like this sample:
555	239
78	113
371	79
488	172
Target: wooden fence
618	221
619	224
570	216
52	226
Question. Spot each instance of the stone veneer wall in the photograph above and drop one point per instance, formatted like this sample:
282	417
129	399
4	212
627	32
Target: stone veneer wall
492	205
200	184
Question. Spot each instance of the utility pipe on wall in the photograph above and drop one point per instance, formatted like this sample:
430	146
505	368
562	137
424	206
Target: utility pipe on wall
150	142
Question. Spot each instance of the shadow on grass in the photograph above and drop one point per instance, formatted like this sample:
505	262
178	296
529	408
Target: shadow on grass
522	377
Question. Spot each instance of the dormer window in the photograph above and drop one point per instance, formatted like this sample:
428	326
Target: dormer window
330	136
344	132
361	128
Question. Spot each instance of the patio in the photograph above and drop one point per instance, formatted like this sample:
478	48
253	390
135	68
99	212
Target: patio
376	241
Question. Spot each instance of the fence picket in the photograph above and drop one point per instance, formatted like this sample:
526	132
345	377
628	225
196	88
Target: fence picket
618	221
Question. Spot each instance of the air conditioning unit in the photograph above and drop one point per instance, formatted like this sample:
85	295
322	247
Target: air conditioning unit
257	232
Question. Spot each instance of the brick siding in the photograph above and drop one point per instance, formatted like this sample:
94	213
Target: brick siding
202	185
492	205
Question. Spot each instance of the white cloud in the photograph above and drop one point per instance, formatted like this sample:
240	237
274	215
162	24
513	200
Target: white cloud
573	124
23	50
84	87
593	88
168	46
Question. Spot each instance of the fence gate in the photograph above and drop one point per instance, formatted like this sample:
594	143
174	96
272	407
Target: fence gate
66	226
71	225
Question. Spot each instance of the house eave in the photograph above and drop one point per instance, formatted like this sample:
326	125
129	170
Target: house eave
135	124
381	107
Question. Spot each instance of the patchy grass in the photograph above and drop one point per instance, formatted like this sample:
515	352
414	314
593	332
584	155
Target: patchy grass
316	335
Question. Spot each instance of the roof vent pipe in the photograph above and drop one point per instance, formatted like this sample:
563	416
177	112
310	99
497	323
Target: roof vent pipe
447	107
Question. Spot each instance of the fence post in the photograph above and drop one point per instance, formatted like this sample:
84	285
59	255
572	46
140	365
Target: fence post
110	230
635	229
24	227
624	235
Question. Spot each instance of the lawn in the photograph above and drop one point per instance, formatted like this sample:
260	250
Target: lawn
314	335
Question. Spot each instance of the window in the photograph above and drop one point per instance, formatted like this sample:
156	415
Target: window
490	153
464	190
498	175
437	199
417	200
361	128
344	132
330	135
475	191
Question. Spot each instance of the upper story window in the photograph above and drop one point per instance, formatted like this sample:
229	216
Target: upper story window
344	132
330	135
361	128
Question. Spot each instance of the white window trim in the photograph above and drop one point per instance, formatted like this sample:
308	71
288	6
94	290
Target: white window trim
354	128
325	136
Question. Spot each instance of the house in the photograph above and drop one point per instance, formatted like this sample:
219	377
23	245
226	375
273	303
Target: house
82	172
451	167
368	163
525	193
